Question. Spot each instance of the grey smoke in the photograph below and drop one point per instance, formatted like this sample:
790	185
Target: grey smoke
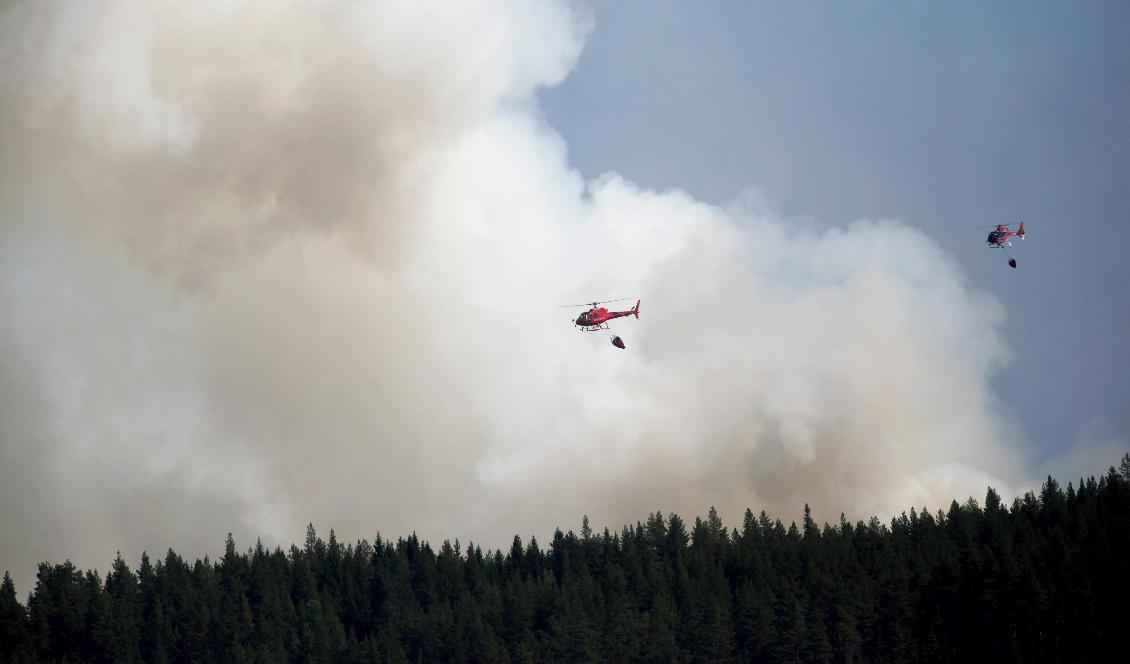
263	267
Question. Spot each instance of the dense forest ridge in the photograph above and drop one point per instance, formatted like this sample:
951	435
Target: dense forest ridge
1047	578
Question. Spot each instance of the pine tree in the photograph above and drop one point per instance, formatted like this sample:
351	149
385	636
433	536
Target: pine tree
98	641
125	611
15	638
58	612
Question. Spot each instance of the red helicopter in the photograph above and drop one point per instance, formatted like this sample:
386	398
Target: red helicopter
597	317
999	239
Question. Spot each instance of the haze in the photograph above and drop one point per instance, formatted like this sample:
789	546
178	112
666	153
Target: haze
262	266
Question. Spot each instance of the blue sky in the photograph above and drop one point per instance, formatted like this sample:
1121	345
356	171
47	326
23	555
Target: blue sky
944	115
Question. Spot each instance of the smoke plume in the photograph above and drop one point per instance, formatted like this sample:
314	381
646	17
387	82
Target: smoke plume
264	264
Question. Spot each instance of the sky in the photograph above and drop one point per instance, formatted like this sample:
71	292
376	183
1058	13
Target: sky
946	116
264	265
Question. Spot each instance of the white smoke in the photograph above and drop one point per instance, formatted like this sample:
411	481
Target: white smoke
265	264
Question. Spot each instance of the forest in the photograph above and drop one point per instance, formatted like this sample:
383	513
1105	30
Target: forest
1046	578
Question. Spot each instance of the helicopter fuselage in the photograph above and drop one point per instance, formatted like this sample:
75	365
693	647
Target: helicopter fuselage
597	318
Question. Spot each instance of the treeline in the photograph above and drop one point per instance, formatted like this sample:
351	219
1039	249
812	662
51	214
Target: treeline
1045	579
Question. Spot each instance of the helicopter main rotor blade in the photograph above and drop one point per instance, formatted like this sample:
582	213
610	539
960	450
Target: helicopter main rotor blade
592	304
1006	223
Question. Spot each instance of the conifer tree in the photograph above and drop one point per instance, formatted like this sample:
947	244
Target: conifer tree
125	612
15	638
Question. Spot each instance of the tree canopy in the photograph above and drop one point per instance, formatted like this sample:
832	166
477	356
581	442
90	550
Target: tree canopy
1046	578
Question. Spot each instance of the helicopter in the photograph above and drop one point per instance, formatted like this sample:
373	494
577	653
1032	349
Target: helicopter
999	239
597	317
